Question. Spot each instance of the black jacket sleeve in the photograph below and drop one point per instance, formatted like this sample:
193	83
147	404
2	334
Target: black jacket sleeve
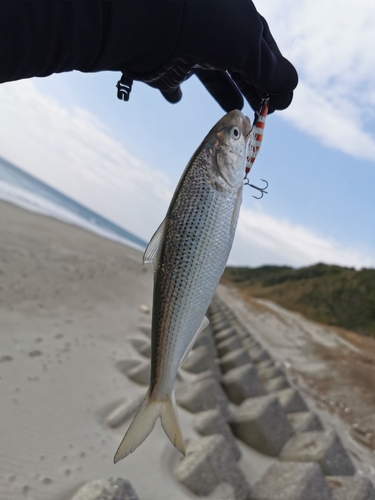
41	37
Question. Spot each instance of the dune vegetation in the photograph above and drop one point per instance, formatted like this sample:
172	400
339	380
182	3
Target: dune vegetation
333	295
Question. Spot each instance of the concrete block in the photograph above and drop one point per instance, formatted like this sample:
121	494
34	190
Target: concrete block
146	330
209	374
351	488
141	373
229	345
292	481
124	411
323	447
291	400
106	489
242	383
202	395
225	334
233	359
126	364
230	316
222	324
275	384
145	350
249	343
305	421
258	354
206	338
262	424
200	360
211	422
214	315
247	333
269	372
265	364
209	462
243	332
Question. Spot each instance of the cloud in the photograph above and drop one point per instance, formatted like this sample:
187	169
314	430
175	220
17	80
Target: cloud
75	153
263	239
330	45
332	120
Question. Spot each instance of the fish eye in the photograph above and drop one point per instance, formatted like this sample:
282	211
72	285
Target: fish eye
235	133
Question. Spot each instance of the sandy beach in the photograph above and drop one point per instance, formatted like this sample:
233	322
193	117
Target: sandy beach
74	311
69	311
74	316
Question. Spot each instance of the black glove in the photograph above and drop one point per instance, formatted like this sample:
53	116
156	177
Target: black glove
161	42
229	47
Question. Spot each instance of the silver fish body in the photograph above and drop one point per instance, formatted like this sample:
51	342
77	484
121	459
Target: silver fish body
189	251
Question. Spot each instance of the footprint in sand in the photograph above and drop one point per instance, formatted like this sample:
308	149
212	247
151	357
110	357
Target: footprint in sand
126	364
124	411
137	371
146	330
35	353
142	346
5	358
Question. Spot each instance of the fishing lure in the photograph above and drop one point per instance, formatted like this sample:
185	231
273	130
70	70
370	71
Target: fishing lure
256	136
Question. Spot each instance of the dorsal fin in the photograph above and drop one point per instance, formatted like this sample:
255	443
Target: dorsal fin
152	250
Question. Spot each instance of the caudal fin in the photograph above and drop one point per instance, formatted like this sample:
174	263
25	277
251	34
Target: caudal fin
144	422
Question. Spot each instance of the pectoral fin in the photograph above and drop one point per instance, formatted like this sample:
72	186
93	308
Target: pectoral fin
202	326
153	248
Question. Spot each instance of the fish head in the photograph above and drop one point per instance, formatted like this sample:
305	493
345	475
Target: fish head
231	136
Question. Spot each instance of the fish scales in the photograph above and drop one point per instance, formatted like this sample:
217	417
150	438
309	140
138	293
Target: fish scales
189	251
196	249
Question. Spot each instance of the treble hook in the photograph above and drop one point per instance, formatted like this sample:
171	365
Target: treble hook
262	190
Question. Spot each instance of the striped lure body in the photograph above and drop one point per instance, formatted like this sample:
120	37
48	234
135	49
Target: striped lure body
189	251
256	135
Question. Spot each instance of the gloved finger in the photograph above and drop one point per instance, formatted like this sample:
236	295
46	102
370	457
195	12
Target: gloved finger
277	75
173	95
289	72
254	95
273	74
280	102
170	91
267	36
222	88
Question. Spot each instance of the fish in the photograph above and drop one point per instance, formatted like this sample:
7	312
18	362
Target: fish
189	252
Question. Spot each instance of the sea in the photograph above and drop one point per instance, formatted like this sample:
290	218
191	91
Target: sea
22	189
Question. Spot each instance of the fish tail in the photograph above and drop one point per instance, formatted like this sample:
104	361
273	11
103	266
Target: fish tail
144	422
171	425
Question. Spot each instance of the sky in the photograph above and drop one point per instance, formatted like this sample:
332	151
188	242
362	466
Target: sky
123	160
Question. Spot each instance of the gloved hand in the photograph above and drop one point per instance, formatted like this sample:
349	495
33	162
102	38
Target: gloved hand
229	47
